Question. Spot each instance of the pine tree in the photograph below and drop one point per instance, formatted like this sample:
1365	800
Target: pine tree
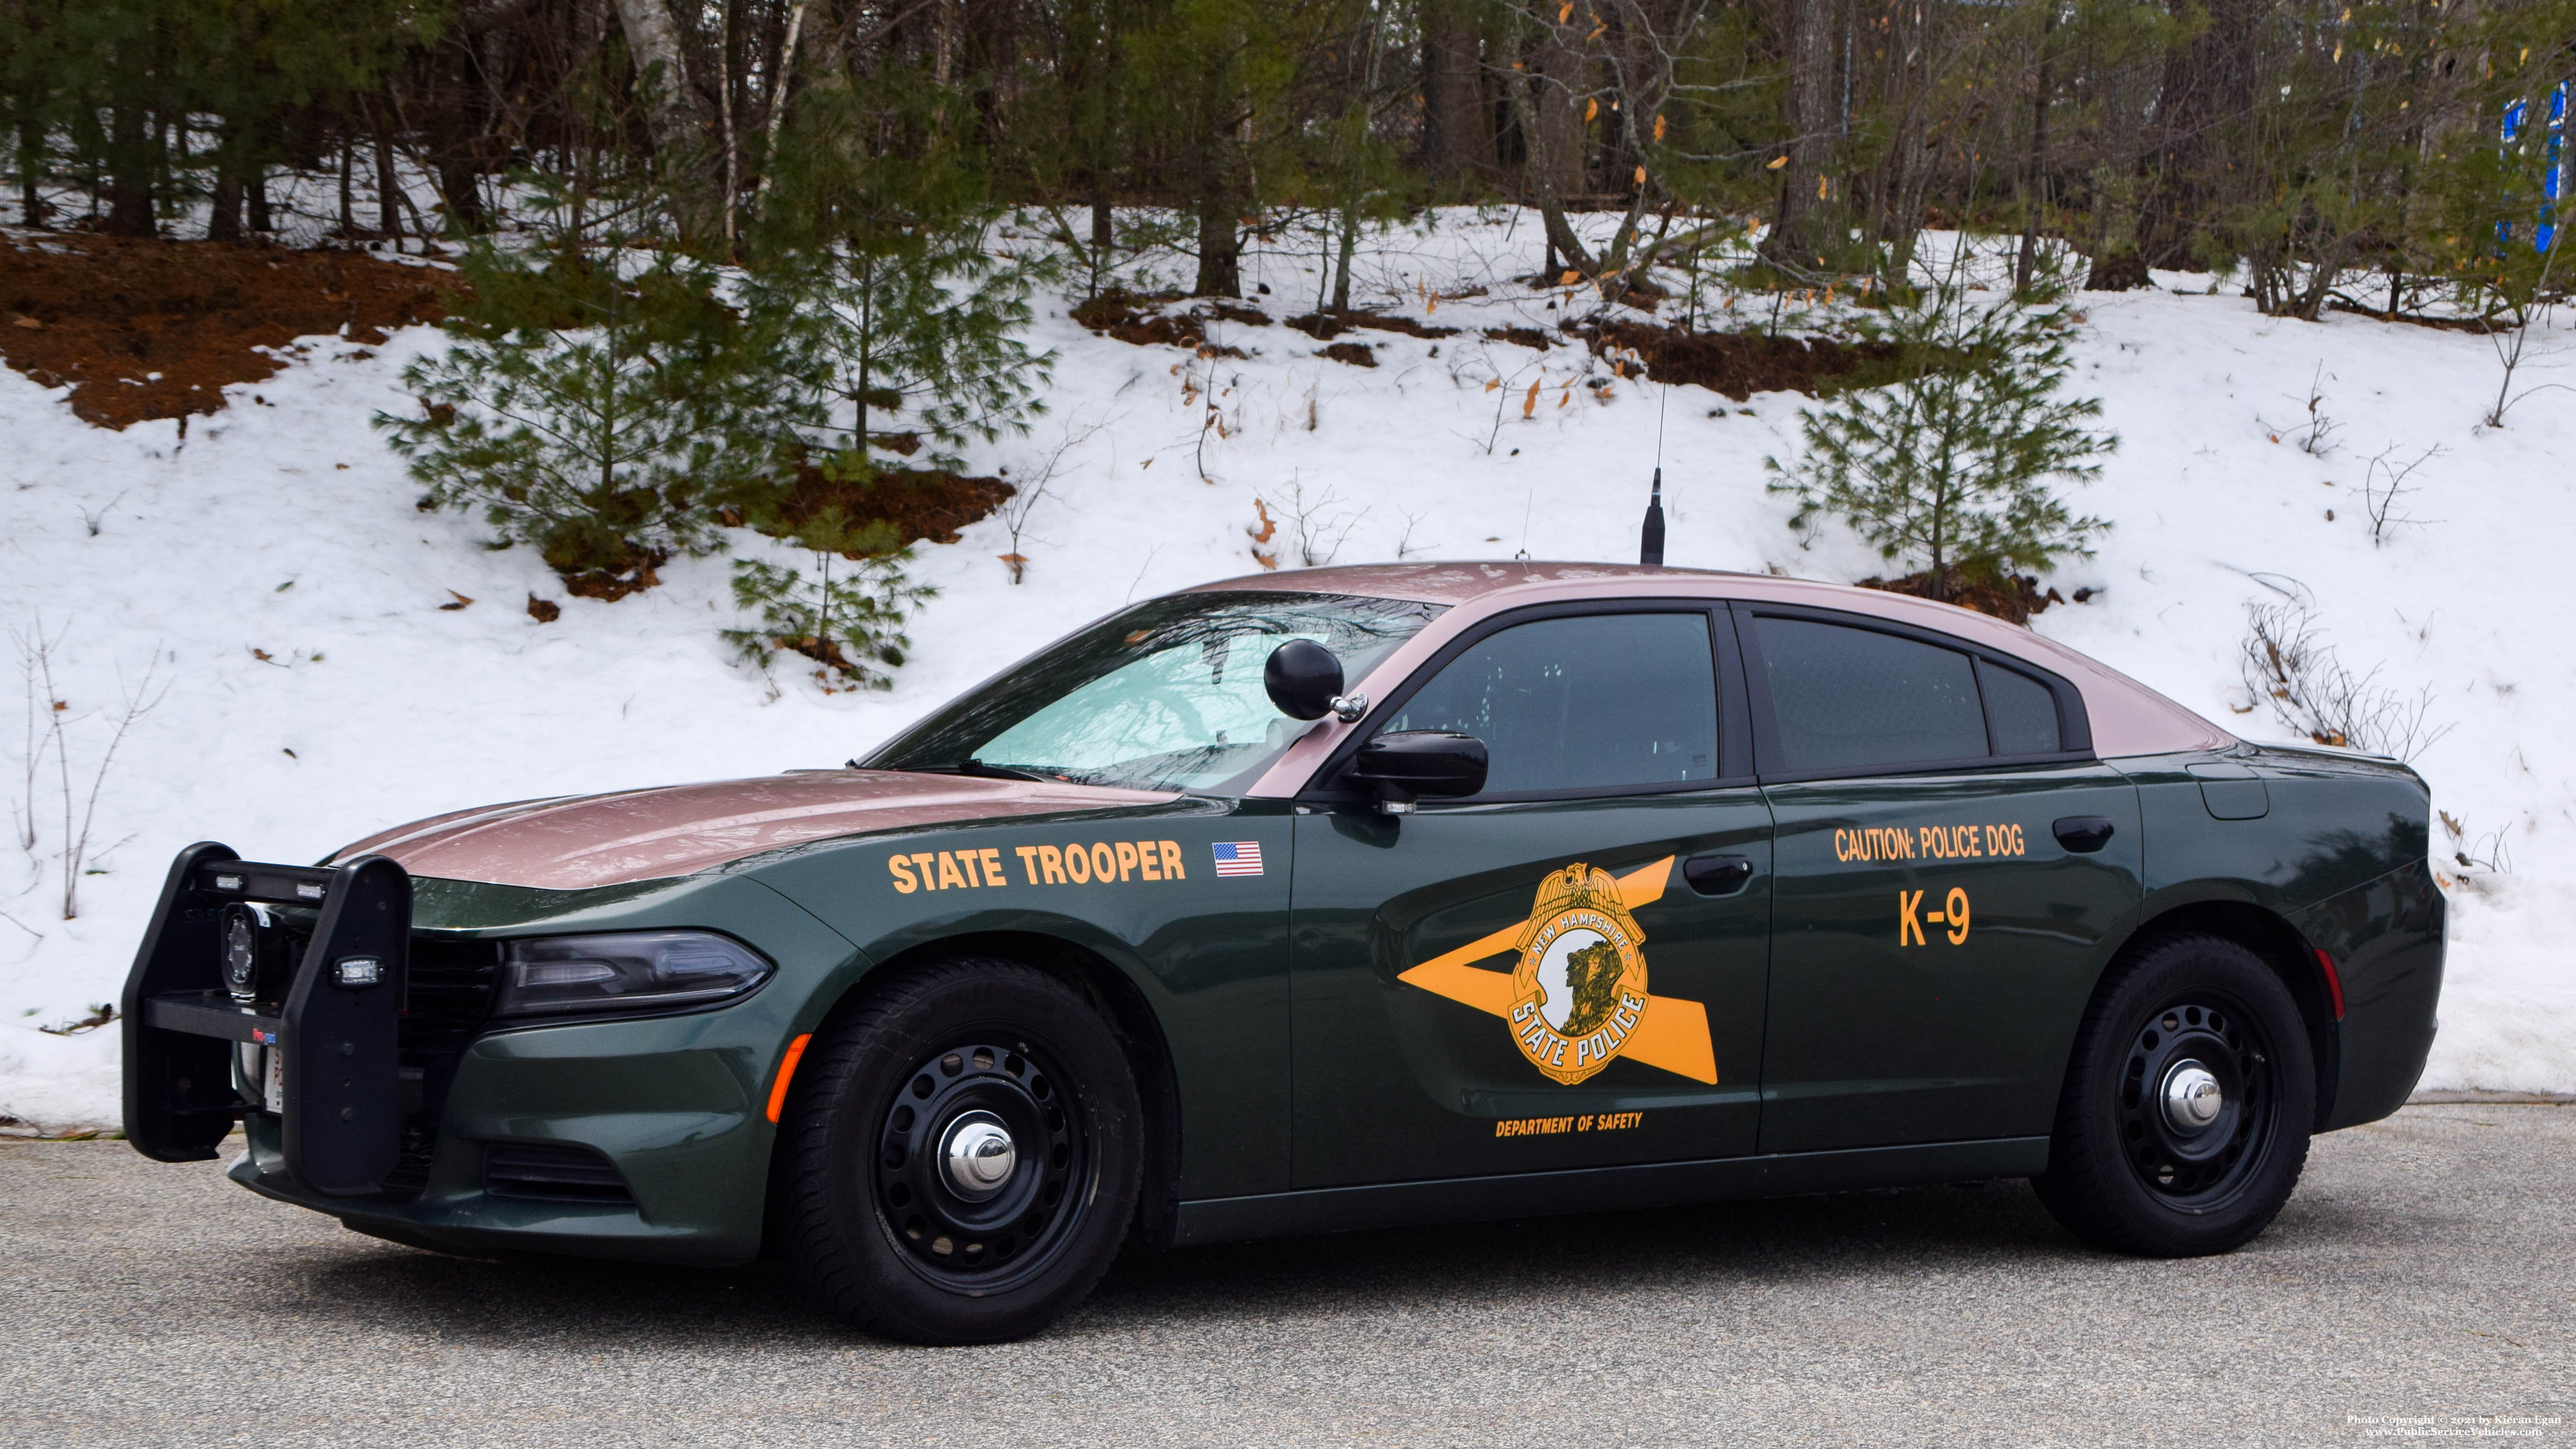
600	405
873	267
849	625
1951	467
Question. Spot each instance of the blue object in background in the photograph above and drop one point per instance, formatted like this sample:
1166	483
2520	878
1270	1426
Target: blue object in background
2553	178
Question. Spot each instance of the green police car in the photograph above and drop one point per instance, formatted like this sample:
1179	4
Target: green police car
1326	900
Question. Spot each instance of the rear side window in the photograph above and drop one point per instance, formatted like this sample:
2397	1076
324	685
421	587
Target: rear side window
1593	702
2022	710
1856	699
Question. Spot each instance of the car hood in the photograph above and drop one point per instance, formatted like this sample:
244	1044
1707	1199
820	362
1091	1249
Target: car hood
575	842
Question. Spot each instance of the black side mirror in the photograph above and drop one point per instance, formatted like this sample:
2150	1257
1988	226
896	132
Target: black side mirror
1406	764
1303	679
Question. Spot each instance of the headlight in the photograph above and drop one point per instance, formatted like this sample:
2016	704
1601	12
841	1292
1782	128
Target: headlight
625	971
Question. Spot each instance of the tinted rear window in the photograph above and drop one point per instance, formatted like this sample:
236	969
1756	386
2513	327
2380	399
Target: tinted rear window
2022	710
1856	699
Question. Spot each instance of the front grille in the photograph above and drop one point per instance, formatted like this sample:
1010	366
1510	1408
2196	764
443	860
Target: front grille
450	990
553	1171
447	996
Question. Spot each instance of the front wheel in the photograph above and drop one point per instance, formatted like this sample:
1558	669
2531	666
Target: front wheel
2185	1117
963	1153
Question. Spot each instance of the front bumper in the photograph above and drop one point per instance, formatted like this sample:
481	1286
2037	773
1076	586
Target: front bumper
675	1106
637	1137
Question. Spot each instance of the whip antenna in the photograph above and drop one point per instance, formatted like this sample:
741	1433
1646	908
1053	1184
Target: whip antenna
1650	551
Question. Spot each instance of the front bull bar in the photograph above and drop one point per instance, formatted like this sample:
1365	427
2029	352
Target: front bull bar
337	1028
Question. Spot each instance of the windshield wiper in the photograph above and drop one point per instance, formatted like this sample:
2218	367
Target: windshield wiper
977	769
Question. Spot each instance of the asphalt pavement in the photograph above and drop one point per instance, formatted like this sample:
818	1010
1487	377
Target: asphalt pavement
2422	1284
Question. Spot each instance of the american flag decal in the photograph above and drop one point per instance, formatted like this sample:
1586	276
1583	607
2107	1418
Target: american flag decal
1238	857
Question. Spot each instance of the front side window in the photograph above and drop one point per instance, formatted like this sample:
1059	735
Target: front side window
1164	696
1592	702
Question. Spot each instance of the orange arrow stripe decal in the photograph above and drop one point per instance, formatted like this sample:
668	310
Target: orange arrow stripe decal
1670	1033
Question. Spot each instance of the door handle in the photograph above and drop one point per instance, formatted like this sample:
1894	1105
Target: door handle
1717	875
2082	834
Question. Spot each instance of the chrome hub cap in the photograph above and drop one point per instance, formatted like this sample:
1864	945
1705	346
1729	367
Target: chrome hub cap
983	1166
2196	1103
978	1155
2192	1097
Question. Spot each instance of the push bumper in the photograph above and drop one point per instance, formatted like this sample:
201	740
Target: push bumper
643	1138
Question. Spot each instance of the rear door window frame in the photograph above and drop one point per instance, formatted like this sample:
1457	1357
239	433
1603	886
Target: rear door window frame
2074	726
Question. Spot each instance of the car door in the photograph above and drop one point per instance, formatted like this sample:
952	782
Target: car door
1953	864
1566	969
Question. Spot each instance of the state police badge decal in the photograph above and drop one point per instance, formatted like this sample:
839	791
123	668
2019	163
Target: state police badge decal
1581	982
1575	999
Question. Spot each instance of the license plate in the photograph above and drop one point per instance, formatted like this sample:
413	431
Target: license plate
273	1075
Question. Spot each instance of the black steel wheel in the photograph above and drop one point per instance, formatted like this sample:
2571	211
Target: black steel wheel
976	1162
961	1154
2195	1103
2184	1122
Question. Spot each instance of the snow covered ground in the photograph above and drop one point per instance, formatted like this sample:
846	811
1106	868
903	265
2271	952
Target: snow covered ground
271	573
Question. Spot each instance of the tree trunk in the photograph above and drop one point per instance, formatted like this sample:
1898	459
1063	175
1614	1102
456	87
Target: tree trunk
223	215
671	107
1220	246
31	171
1454	143
1556	150
348	202
460	186
1545	117
1342	260
388	188
1812	109
129	172
2208	82
255	191
2035	185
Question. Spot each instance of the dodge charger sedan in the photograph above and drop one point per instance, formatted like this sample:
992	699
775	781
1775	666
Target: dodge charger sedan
1328	900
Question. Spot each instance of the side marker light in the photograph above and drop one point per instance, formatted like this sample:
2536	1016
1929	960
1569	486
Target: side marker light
2334	983
796	1053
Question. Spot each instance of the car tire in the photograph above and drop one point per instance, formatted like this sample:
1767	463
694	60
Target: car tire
900	1214
2185	1117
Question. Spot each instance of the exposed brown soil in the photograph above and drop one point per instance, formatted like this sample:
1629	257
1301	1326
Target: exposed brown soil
157	329
920	503
1357	354
1520	337
633	574
1325	326
1130	318
2015	599
1740	364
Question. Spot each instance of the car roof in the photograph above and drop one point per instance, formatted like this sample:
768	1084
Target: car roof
2128	719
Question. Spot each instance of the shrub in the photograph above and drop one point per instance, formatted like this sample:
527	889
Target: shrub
848	625
598	406
1951	466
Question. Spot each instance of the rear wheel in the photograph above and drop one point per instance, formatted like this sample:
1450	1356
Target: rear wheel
963	1152
2184	1122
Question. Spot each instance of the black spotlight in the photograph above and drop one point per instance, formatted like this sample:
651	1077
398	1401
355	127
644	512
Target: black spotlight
241	940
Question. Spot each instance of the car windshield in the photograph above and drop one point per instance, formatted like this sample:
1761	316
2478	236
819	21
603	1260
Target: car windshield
1164	696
